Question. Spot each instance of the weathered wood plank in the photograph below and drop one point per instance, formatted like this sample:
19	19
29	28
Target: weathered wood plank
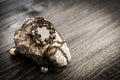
91	28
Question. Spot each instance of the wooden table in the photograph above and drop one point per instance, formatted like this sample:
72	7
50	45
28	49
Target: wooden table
91	28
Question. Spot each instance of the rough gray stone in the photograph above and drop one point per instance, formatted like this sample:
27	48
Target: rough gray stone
37	39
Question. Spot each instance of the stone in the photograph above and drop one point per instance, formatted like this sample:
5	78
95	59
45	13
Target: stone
12	51
44	69
38	39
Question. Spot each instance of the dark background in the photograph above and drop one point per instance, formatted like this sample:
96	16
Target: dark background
91	28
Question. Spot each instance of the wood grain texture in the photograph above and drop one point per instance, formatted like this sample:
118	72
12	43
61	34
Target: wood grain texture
91	28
